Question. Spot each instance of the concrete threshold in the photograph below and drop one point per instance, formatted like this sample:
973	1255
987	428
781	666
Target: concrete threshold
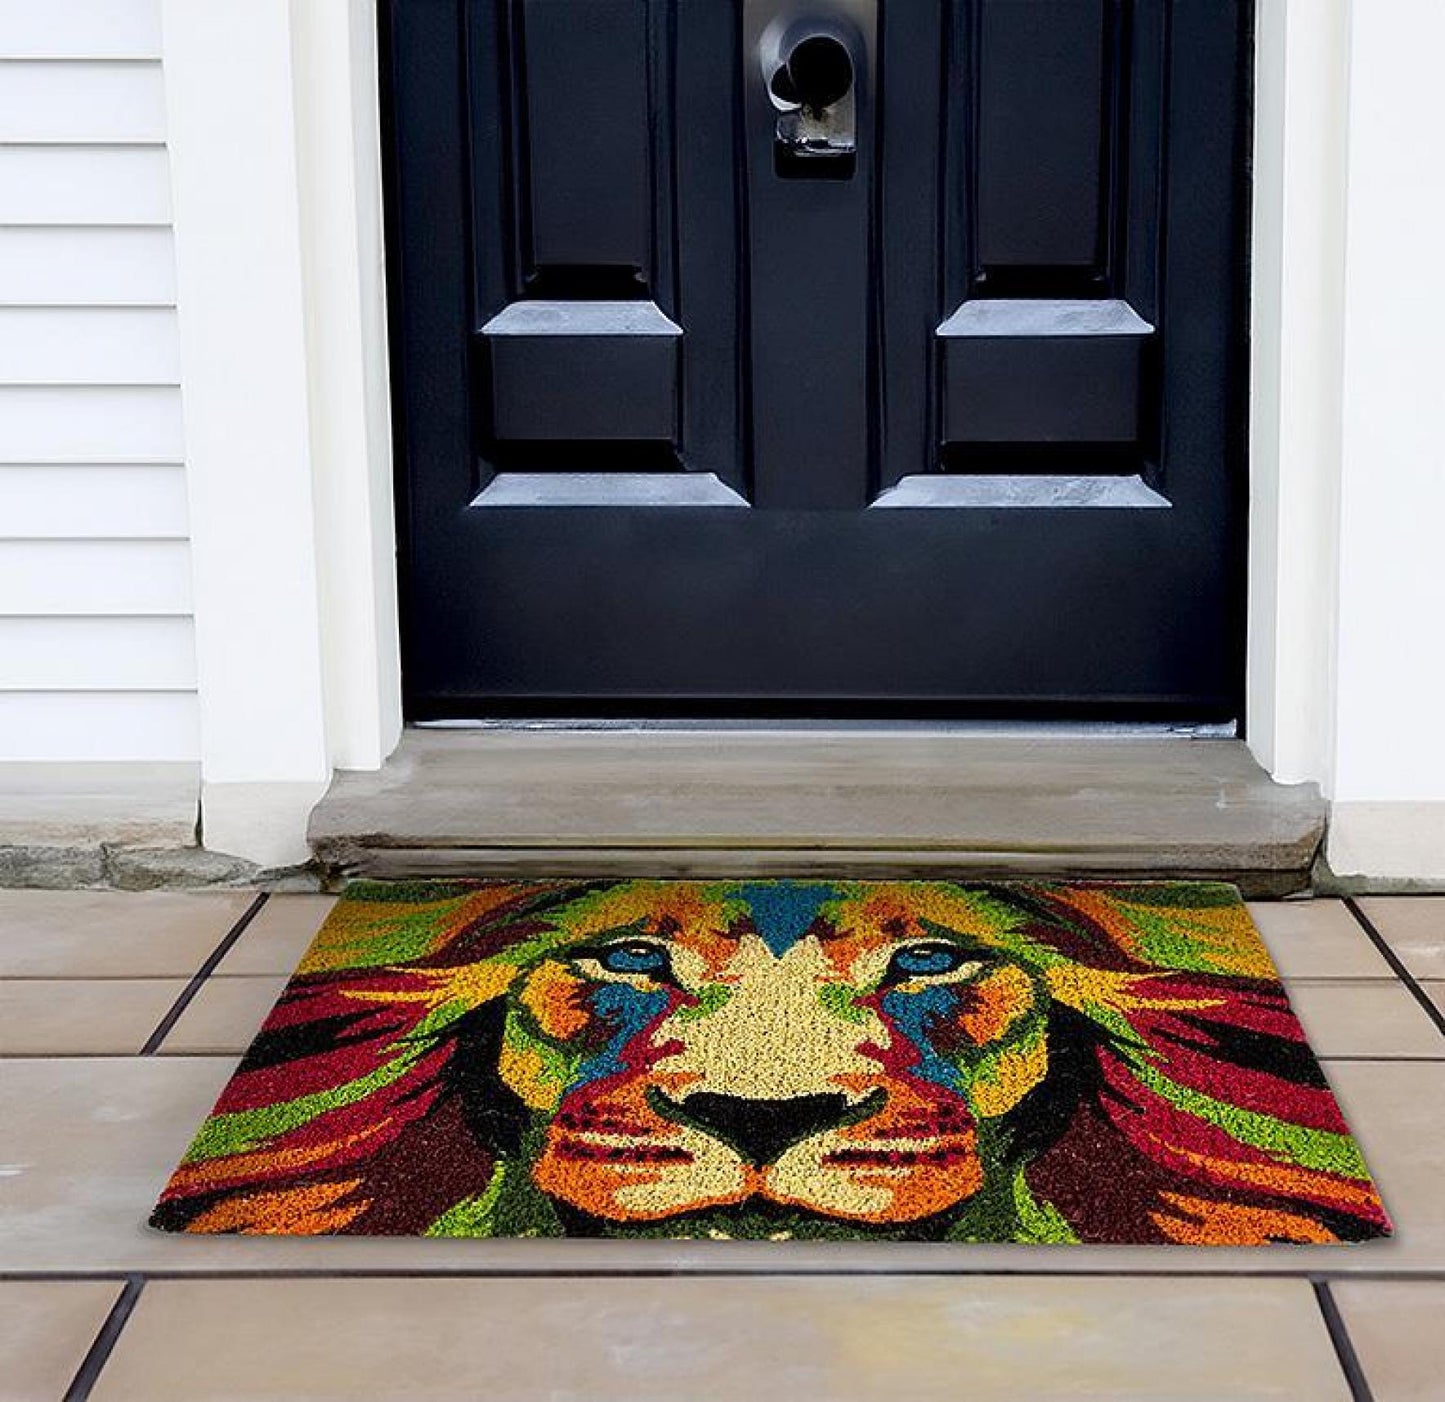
917	801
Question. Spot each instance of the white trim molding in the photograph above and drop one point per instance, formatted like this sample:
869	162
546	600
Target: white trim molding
276	176
1347	469
1296	318
338	123
1387	782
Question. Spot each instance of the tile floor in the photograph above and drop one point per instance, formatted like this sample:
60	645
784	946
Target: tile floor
122	1015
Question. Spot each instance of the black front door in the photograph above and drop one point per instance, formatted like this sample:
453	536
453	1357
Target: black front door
823	354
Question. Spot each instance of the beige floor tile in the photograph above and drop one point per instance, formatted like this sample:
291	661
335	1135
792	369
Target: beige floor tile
113	934
1317	939
1435	991
49	1327
82	1017
85	1146
1414	927
712	1340
1364	1017
1395	1328
224	1016
275	940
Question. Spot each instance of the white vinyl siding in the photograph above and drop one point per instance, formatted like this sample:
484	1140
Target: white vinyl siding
93	501
107	423
84	185
80	29
104	267
97	645
103	725
88	346
99	578
83	103
71	654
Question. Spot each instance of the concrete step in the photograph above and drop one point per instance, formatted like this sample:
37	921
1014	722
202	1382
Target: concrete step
846	802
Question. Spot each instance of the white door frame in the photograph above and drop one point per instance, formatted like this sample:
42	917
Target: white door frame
276	172
1346	582
273	118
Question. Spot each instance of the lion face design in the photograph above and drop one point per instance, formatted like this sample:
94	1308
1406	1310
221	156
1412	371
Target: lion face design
837	1057
920	1060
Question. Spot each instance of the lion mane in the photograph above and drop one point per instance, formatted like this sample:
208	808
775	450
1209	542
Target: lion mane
1169	1094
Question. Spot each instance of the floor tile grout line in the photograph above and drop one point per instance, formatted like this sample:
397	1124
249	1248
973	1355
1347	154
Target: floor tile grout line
1349	1360
155	1276
93	978
232	1053
1397	964
101	1348
98	1354
228	1055
167	1023
1413	1057
169	978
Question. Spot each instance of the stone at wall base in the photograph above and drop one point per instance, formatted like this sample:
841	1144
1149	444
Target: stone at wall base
142	869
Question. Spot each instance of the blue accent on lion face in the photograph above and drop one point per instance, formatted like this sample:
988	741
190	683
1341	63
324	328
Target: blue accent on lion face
783	911
913	1014
626	1012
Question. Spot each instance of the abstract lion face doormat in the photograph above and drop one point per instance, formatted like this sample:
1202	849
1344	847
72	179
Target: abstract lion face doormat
782	1060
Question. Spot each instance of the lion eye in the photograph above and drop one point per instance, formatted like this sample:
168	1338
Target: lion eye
917	960
635	957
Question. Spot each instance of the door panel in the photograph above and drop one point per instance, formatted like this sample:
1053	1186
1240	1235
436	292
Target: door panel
584	115
1041	193
852	354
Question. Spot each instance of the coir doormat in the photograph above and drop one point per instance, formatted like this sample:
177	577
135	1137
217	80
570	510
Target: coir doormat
782	1060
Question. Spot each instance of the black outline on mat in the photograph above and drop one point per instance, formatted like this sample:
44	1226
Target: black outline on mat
168	1022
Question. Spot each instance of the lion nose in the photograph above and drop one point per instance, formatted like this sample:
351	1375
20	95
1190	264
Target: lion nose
760	1130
